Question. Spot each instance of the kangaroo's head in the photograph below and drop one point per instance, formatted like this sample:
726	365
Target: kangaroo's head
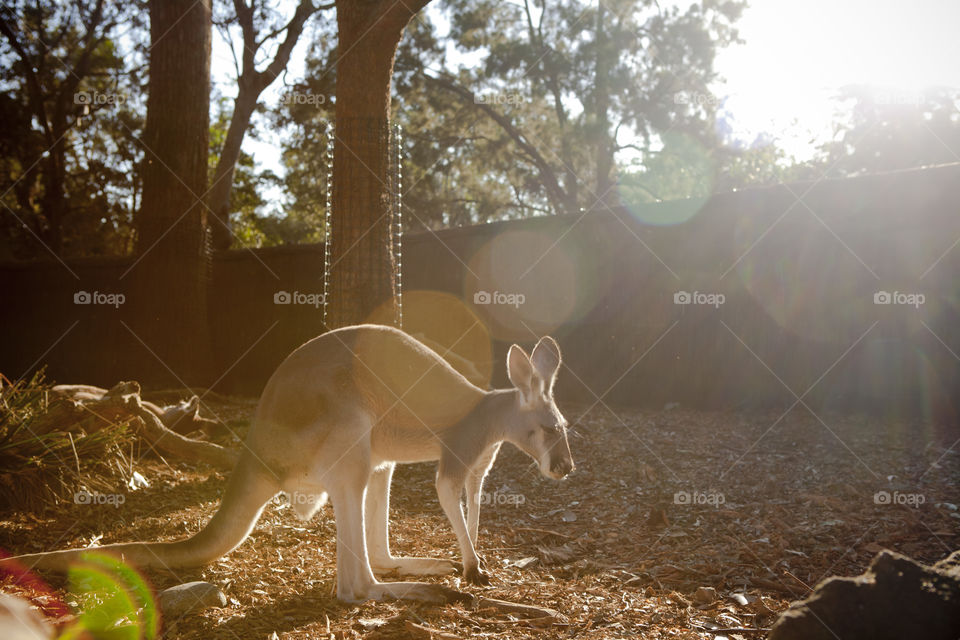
178	417
184	417
539	428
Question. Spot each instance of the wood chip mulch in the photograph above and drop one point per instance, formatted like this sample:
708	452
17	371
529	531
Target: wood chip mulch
676	524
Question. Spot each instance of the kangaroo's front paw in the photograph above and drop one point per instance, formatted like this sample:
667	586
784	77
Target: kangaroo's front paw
475	576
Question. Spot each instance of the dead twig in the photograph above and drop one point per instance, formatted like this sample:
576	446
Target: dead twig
514	607
545	532
420	631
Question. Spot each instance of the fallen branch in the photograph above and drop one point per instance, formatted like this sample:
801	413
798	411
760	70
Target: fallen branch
420	631
123	403
504	606
545	532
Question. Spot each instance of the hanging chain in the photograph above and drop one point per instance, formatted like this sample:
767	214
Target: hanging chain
327	216
398	218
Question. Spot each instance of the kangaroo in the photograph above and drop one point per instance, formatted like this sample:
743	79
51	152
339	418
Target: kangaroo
182	417
335	418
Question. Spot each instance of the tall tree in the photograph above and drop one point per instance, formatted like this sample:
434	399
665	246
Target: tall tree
885	130
65	65
172	270
573	84
551	101
251	83
361	277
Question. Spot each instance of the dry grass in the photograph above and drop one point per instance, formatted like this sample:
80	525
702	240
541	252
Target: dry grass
44	460
609	548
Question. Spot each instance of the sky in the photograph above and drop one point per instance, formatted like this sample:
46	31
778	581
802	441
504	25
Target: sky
780	82
798	53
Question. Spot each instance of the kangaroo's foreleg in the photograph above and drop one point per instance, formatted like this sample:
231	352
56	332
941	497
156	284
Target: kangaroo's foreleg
474	485
449	489
377	522
474	494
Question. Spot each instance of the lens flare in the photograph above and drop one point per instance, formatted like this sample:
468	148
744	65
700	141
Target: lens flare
526	283
675	184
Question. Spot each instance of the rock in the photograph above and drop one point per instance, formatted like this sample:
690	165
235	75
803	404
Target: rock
896	598
20	621
190	597
705	595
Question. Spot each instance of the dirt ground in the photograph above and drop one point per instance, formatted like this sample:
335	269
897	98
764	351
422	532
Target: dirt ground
663	506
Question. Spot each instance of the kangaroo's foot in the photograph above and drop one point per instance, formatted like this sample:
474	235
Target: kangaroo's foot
477	576
414	566
416	591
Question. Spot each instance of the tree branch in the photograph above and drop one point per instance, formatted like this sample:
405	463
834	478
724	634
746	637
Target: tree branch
555	192
294	28
33	84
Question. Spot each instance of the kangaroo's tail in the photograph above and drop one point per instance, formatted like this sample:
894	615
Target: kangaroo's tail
249	488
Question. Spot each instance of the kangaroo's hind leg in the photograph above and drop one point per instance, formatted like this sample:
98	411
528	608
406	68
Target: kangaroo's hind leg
346	478
377	523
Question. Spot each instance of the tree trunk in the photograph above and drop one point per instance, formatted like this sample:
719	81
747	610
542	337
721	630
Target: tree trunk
361	276
218	200
605	194
251	84
54	202
172	275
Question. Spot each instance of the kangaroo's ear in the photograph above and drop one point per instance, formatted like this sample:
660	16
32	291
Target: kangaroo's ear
546	360
519	368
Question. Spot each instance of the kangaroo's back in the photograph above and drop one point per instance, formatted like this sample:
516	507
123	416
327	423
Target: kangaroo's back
392	378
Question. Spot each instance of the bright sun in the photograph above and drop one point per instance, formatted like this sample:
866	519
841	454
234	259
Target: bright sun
798	53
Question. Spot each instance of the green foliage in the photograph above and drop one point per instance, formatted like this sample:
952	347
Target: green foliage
72	112
252	225
509	110
585	85
884	130
305	115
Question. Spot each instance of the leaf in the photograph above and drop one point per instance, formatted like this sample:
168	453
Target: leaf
556	555
522	562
